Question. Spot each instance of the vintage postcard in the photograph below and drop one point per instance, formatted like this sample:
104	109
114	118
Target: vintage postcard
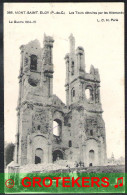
64	97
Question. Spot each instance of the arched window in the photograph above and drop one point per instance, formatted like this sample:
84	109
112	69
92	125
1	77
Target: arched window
39	127
91	155
91	132
57	127
89	93
72	68
33	62
72	94
70	143
38	156
57	155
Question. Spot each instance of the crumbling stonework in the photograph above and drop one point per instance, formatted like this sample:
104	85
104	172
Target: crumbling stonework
80	124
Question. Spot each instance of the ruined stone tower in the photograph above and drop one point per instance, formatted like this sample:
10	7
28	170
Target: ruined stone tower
80	126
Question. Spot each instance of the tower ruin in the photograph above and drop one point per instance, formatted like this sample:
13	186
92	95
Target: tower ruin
81	128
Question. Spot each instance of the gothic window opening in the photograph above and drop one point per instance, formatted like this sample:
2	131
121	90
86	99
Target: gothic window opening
57	127
39	127
70	143
38	156
91	132
89	93
91	157
80	60
57	155
72	94
90	165
33	62
91	154
72	68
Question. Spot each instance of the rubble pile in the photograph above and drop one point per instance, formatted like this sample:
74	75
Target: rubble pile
42	167
65	163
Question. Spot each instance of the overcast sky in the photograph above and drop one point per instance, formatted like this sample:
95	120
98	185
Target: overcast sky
103	43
